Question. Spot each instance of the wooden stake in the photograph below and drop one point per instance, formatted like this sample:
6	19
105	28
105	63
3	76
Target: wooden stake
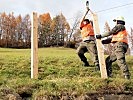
99	47
34	46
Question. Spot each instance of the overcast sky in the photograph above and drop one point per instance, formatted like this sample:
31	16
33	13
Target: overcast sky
70	8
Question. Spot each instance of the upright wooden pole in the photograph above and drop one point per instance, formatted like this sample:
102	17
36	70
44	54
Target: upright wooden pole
34	46
99	47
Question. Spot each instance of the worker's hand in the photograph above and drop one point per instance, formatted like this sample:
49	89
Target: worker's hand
98	36
107	41
87	8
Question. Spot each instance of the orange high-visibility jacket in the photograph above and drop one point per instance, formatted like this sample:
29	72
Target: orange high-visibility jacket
87	30
120	37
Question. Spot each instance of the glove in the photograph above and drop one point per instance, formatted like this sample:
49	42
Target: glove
107	41
88	8
98	36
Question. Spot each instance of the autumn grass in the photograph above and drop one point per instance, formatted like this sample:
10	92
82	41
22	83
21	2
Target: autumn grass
60	70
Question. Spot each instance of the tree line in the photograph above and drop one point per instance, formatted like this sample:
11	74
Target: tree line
15	31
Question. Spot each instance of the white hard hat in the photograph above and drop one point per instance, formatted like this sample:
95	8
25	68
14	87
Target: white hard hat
120	18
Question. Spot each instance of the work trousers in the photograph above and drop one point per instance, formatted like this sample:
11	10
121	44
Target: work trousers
118	54
88	46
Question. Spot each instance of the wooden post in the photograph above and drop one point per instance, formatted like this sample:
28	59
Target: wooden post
99	47
34	46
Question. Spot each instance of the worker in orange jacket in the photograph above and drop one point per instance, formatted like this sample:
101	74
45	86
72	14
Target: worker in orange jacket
120	41
88	43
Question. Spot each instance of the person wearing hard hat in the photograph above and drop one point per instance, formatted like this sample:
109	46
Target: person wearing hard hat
120	41
88	43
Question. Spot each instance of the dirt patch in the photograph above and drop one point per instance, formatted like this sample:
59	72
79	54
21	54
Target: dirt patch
106	93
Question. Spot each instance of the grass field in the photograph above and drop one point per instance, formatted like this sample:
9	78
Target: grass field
60	71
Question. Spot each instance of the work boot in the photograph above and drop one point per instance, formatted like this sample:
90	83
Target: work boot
109	74
86	64
97	68
127	77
